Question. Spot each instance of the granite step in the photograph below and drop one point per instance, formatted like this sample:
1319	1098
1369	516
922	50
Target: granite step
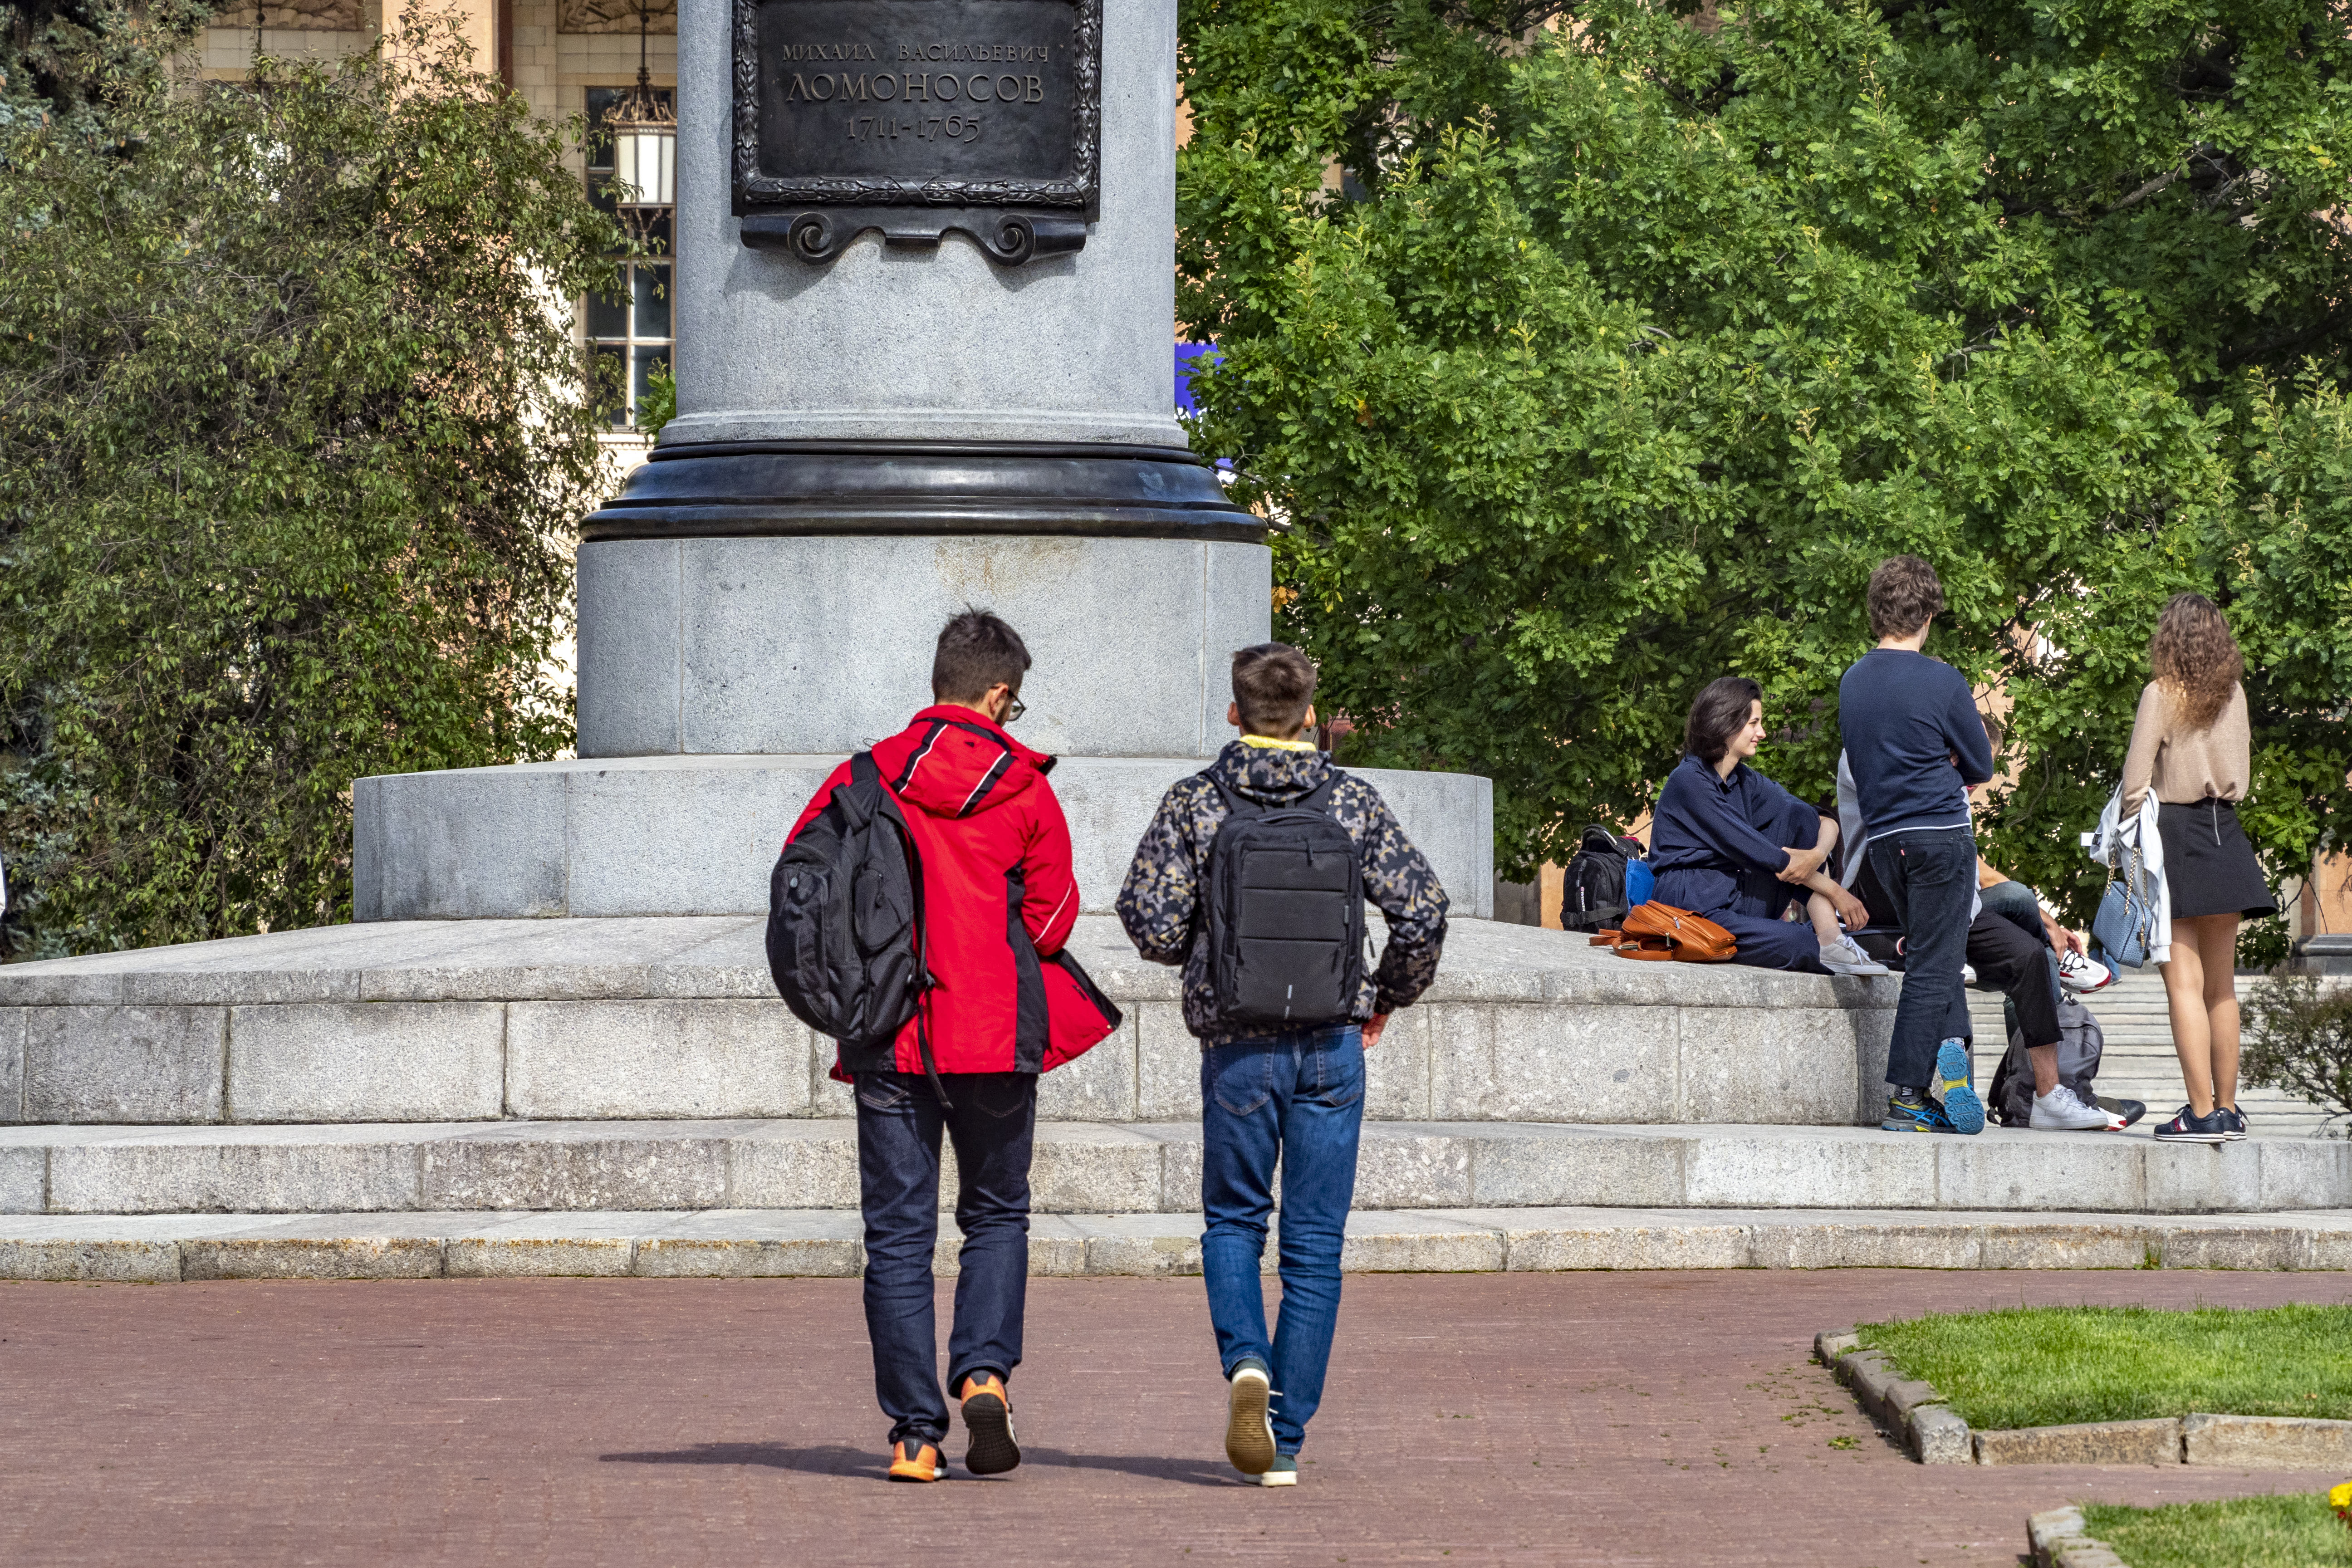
2138	1061
1145	1168
755	1242
674	1018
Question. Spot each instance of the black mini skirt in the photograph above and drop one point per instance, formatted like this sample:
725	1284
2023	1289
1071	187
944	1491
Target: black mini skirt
2209	867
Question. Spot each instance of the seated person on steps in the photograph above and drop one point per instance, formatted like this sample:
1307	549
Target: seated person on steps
2013	900
1730	843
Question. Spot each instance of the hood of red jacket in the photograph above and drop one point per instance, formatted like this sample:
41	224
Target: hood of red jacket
953	761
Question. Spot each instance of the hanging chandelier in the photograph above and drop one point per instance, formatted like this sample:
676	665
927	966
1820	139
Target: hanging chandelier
645	147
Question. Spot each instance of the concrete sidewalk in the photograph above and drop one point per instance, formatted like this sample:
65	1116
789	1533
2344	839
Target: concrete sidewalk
1669	1418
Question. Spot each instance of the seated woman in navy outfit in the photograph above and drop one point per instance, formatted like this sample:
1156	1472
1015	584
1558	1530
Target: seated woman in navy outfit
1730	843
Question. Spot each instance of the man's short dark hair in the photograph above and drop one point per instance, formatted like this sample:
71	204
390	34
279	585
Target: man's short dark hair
977	651
1904	593
1720	712
1273	685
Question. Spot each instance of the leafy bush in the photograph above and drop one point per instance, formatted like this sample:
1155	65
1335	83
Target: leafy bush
64	62
293	432
659	404
2298	1038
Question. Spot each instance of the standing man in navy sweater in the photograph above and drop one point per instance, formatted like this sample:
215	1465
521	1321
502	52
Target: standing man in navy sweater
1916	746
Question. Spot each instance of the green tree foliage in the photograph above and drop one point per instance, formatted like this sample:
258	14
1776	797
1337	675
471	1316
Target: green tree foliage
63	61
1590	354
292	435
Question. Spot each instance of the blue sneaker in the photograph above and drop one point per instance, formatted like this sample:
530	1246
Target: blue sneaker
1955	1075
1911	1111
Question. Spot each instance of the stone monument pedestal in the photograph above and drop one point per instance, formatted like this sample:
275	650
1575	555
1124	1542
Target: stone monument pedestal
873	434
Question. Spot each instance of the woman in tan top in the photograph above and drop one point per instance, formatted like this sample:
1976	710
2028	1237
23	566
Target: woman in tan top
2191	746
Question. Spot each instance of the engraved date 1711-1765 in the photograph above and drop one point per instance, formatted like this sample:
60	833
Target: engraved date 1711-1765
915	117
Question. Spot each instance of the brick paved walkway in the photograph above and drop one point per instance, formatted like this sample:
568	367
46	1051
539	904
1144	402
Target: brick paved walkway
1581	1418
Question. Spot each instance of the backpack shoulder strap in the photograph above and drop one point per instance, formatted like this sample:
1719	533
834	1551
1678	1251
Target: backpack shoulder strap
1319	797
1235	806
864	770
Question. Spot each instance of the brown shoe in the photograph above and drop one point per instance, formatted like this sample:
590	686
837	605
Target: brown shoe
913	1461
988	1417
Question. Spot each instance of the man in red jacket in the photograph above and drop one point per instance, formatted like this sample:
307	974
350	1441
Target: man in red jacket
1006	1004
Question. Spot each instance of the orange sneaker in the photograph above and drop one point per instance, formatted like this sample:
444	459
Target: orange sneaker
988	1417
913	1461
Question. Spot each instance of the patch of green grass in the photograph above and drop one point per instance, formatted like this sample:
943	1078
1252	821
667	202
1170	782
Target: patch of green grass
2051	1366
2294	1531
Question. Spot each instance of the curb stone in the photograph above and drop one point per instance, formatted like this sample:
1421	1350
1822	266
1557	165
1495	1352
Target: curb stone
1904	1406
2266	1442
2056	1540
2153	1442
1936	1435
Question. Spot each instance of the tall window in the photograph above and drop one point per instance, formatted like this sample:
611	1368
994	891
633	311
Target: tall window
629	330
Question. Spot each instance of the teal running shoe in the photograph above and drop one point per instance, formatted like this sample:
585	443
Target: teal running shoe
1913	1112
1955	1077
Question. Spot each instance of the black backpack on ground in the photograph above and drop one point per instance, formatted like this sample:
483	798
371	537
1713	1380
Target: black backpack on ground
1285	914
1592	890
844	922
2081	1042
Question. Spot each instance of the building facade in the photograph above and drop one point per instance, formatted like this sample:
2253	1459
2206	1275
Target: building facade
566	57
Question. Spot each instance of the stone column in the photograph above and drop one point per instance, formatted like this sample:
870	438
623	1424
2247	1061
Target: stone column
865	444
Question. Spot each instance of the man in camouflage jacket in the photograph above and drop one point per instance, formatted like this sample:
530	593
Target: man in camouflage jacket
1296	1097
1159	903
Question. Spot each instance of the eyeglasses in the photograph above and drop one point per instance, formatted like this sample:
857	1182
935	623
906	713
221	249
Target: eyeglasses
1014	709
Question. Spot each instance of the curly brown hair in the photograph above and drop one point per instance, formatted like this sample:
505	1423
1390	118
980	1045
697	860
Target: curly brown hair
2195	658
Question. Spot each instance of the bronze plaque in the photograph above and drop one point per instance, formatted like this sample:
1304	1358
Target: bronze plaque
918	116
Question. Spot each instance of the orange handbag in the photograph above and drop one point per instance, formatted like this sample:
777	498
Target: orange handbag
1661	933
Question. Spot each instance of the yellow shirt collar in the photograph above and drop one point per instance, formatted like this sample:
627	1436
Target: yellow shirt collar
1268	743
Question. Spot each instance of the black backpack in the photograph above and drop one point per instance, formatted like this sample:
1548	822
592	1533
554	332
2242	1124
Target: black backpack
1593	891
846	920
1285	914
2080	1043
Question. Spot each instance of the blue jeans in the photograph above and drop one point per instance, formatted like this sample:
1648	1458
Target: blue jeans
1299	1097
1930	877
993	1124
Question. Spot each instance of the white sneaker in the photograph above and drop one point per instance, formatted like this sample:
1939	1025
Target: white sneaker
1249	1429
2079	973
1847	958
2061	1111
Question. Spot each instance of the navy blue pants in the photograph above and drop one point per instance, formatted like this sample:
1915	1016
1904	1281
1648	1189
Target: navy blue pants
993	1126
1757	899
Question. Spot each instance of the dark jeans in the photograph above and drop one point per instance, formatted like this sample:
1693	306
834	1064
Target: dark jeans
2014	903
1296	1098
1930	877
898	1124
